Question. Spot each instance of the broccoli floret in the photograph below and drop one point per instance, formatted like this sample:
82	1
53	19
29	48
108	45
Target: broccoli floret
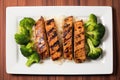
101	29
30	53
95	41
22	38
94	52
27	23
98	31
25	51
96	34
24	33
34	58
92	21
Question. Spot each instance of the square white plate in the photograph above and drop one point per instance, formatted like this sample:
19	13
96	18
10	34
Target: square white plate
15	62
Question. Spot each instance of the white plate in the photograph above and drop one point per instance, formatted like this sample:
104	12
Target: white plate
15	62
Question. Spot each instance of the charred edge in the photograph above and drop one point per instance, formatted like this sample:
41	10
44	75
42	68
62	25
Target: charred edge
56	58
73	40
49	21
68	18
78	60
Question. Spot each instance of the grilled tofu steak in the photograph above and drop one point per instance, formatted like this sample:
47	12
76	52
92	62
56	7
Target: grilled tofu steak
53	40
79	42
41	39
67	37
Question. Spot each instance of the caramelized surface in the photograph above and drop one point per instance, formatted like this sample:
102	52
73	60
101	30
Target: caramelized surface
53	40
67	37
79	42
40	39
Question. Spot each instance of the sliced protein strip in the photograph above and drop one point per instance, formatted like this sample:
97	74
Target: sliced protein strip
79	42
41	39
53	41
67	37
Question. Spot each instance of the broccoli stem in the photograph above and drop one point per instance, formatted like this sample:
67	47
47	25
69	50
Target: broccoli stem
90	44
29	63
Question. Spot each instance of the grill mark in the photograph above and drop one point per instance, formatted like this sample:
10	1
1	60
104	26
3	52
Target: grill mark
56	43
53	36
51	30
65	44
79	42
66	25
66	50
66	31
41	47
49	21
43	52
77	36
58	49
76	50
56	58
79	49
67	39
79	27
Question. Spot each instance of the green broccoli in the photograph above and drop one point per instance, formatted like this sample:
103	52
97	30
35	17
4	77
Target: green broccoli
101	29
89	25
25	51
34	58
87	48
28	49
24	33
94	53
95	41
96	34
27	23
22	38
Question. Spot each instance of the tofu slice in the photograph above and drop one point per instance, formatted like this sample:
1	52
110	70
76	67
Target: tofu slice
53	40
41	39
79	42
67	37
